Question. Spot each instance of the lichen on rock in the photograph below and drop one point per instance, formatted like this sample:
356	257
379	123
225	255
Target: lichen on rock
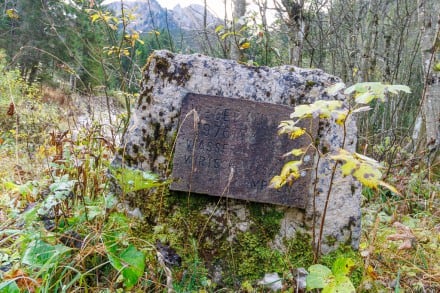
220	224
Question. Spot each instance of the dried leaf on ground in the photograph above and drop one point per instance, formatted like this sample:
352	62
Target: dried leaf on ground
403	233
23	281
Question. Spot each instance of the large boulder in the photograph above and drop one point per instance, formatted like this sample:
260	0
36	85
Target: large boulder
148	145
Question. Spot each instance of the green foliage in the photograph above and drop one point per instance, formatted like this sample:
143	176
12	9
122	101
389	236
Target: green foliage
122	255
9	287
60	190
44	256
67	207
131	180
131	262
255	257
334	280
195	278
20	106
366	92
252	39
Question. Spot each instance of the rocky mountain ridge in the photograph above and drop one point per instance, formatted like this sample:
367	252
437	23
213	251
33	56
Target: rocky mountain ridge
150	15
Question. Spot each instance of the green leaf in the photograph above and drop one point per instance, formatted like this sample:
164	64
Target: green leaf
302	111
334	89
361	109
342	266
9	286
334	281
365	92
131	263
364	98
398	87
350	90
319	277
40	254
132	180
320	108
343	284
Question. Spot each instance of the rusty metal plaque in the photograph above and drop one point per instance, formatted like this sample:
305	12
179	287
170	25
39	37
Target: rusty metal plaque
230	148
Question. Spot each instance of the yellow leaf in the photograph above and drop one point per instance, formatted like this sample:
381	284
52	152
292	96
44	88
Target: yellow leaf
219	28
277	182
342	155
368	176
296	132
372	273
296	152
12	14
289	128
95	17
349	167
245	45
291	168
125	52
341	116
389	187
366	170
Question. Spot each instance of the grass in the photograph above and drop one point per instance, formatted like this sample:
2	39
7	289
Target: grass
61	227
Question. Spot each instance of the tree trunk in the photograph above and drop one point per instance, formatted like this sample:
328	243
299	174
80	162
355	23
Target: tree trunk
429	21
239	12
297	29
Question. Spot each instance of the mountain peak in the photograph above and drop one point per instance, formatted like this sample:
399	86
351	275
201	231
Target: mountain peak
152	16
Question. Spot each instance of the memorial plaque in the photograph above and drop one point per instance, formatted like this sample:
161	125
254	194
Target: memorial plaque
233	150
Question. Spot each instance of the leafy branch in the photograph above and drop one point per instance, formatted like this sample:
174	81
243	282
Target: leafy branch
364	169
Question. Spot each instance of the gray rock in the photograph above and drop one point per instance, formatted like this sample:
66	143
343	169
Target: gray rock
169	77
271	281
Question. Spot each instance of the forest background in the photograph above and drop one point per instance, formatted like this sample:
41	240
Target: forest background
60	56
